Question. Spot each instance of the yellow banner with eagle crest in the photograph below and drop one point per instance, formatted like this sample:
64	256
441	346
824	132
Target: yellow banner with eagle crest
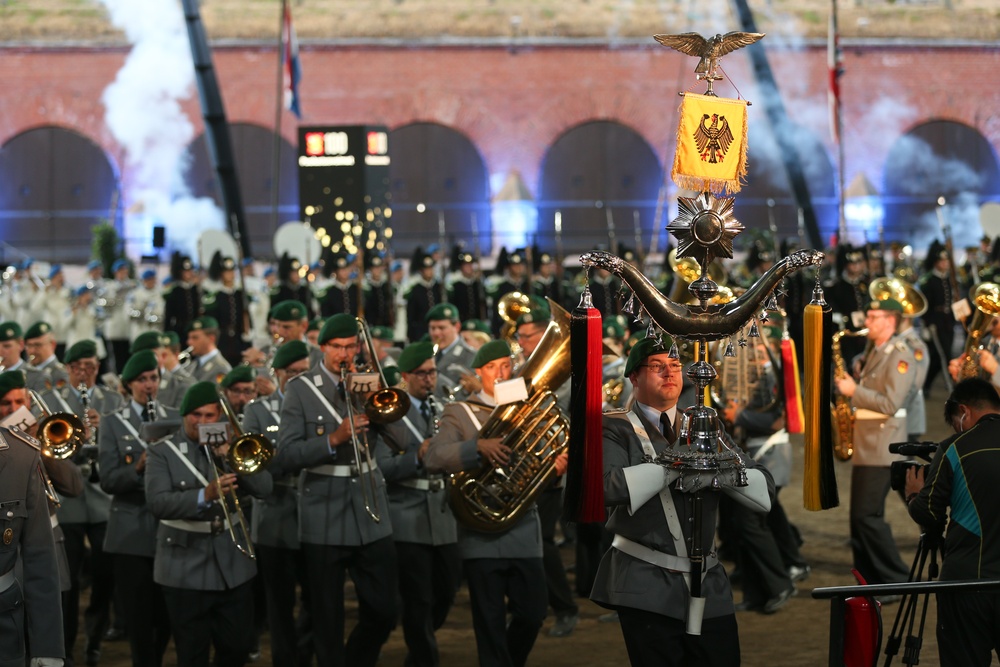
711	144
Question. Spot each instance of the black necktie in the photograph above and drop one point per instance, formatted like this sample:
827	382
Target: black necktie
427	412
667	427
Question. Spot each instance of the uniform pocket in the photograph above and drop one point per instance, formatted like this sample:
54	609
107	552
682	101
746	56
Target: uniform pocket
12	616
13	514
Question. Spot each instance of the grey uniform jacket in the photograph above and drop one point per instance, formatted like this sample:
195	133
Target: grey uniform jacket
276	517
93	505
886	379
53	374
331	509
68	483
187	559
173	384
131	526
419	515
452	450
629	582
459	355
212	370
916	413
24	526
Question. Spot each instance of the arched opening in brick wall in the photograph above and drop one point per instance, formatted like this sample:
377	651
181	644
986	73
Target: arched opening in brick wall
55	184
253	151
936	159
598	175
439	169
767	194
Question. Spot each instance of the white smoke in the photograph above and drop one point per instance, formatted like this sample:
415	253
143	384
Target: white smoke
143	112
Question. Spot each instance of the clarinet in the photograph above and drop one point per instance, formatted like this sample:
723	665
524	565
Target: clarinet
89	448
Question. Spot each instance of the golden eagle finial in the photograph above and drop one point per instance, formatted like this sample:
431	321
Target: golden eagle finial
709	50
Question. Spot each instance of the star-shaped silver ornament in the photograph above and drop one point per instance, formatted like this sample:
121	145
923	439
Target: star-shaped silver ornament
705	227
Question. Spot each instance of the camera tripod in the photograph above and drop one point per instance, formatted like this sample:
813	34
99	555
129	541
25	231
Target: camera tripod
906	615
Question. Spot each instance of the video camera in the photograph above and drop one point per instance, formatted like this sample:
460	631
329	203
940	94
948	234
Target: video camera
897	471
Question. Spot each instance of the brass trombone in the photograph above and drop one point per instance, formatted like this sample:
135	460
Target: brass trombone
61	433
383	406
248	453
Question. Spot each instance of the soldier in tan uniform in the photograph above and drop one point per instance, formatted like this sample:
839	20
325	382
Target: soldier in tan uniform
888	373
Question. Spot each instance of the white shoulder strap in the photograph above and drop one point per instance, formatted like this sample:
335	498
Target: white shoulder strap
669	510
472	415
413	429
322	399
123	418
185	461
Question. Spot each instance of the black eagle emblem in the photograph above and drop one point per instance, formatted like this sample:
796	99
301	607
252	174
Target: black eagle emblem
713	140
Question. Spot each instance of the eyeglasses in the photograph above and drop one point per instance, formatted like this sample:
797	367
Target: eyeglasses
529	334
660	368
243	392
423	375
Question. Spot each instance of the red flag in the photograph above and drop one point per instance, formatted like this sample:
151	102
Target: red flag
291	67
835	65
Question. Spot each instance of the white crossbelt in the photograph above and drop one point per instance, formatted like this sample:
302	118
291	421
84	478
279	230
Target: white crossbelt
658	558
351	470
54	520
189	526
431	484
6	580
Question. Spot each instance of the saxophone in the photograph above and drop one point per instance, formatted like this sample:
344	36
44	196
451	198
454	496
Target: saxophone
843	413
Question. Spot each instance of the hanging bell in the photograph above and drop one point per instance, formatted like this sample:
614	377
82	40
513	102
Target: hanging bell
674	352
754	331
730	350
631	307
772	303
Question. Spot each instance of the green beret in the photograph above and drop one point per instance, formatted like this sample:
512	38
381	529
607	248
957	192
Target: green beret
642	350
392	376
341	325
140	362
172	338
477	325
289	353
886	304
37	330
239	374
10	331
495	349
203	322
149	340
197	395
535	315
415	354
613	328
289	311
85	349
316	324
443	311
381	332
11	380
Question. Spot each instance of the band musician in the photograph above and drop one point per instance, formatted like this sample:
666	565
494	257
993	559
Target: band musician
503	569
336	531
644	576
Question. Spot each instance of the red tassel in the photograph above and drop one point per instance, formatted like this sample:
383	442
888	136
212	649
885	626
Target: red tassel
592	505
794	418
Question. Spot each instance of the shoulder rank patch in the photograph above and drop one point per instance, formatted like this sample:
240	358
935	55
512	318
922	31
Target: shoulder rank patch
902	367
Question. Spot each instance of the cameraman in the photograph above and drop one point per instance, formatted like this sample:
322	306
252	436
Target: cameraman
963	476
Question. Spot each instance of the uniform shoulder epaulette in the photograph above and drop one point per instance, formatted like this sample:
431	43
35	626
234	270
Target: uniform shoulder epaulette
901	345
617	413
24	437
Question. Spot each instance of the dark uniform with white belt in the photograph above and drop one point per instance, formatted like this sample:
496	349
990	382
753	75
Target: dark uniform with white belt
336	531
206	578
85	518
504	569
29	604
644	576
275	520
131	533
423	526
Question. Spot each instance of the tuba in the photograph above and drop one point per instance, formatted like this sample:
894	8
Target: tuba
913	302
510	307
985	297
843	413
686	271
492	499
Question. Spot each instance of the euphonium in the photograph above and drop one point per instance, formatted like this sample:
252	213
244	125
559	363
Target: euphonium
843	413
492	499
985	297
913	302
511	306
60	433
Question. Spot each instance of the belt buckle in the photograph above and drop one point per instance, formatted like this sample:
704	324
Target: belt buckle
217	526
355	470
436	484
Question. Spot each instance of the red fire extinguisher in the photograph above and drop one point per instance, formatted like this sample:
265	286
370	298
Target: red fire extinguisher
862	629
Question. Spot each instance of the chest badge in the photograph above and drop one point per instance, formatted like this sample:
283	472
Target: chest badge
902	367
8	536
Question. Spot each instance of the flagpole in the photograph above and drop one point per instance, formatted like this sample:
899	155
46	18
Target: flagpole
834	57
279	104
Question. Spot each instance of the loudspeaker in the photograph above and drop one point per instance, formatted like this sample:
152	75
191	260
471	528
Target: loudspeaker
159	236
